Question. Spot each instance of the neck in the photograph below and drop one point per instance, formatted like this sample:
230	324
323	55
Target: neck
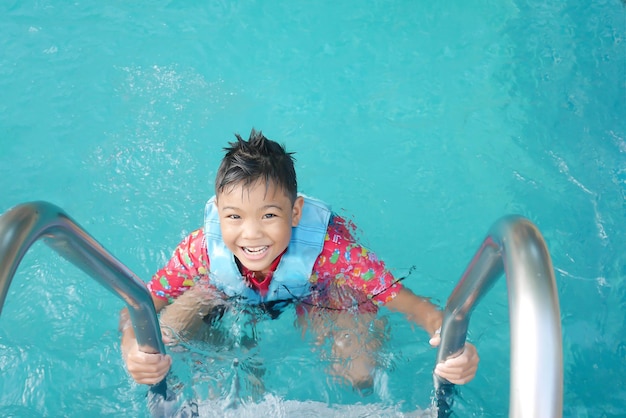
259	280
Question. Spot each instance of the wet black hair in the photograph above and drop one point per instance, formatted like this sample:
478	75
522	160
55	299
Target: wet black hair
258	158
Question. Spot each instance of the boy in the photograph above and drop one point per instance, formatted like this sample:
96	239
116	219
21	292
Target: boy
263	244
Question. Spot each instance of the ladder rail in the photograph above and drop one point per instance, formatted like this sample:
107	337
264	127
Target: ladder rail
514	246
23	225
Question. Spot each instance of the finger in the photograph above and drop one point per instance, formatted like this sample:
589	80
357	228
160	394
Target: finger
435	340
168	336
455	378
461	369
457	365
469	355
149	378
140	357
148	368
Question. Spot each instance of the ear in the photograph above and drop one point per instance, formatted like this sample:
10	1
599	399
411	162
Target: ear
296	212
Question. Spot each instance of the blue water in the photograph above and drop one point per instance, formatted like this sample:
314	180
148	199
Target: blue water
424	123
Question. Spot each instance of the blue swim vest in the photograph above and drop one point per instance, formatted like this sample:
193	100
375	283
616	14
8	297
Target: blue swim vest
291	278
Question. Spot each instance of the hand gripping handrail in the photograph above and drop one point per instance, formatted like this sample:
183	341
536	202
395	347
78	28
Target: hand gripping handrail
24	224
514	246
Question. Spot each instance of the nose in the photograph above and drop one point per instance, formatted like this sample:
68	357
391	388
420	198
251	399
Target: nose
252	229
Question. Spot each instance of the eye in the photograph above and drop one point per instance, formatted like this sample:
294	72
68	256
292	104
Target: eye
269	216
234	216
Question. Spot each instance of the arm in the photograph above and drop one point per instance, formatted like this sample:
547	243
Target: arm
368	274
188	262
143	367
186	316
458	370
417	309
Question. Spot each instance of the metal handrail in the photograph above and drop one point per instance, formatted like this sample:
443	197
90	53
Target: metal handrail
514	246
24	224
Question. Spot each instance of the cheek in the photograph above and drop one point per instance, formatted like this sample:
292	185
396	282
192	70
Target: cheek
285	233
228	234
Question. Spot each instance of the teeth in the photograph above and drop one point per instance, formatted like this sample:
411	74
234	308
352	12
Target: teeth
254	249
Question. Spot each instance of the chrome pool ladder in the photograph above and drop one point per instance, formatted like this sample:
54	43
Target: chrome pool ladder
23	225
514	246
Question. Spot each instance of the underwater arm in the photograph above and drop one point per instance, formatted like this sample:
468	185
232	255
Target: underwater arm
458	370
143	367
186	315
417	309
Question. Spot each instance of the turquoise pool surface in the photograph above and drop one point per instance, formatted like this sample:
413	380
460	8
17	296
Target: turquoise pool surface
422	122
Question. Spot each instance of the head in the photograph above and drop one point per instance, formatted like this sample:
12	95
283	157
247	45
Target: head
257	201
257	159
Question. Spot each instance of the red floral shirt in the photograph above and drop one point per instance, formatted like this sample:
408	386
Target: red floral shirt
342	264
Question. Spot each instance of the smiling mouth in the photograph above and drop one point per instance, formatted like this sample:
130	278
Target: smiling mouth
255	250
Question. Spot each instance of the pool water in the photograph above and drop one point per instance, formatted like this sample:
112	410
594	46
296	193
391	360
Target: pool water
423	123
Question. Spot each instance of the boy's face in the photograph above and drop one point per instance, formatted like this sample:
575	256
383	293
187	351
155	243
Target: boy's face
256	222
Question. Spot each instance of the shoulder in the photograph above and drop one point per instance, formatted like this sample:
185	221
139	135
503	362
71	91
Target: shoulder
194	240
340	244
346	261
192	251
340	231
196	235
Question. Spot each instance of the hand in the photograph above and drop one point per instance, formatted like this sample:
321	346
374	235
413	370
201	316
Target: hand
458	370
145	368
169	336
